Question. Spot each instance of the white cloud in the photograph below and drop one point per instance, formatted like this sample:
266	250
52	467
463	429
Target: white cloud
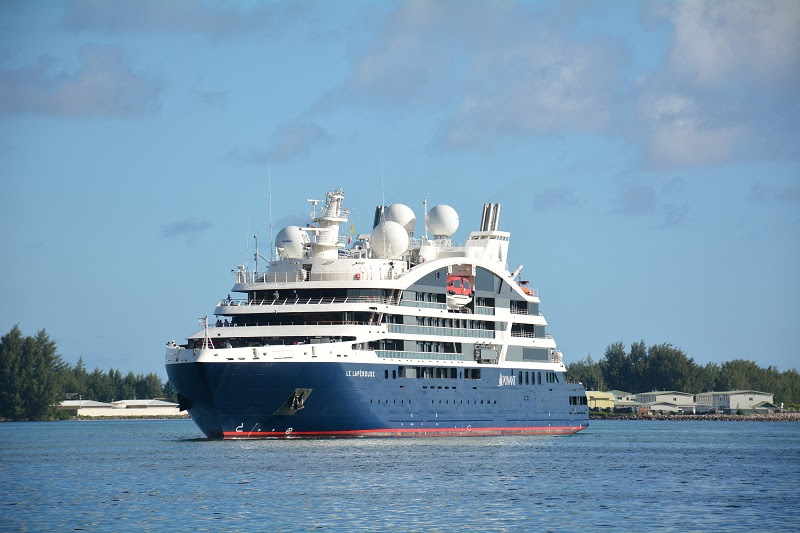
103	85
719	40
188	228
491	70
263	20
667	202
537	86
297	138
555	198
681	131
729	86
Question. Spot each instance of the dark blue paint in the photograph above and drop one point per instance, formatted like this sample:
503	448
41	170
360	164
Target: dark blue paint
358	397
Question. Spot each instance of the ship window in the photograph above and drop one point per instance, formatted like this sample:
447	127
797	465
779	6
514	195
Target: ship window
526	378
520	377
394	374
385	374
540	378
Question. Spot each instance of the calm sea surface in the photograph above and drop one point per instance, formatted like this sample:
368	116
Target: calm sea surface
617	475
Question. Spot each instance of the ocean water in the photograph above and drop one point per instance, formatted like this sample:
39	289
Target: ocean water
160	475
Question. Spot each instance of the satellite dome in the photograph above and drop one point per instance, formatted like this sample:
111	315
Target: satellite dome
389	240
290	241
442	220
403	215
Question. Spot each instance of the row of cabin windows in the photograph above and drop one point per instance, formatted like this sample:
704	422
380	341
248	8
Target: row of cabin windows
430	297
398	345
488	402
577	400
429	372
304	294
535	378
446	402
454	323
484	302
438	347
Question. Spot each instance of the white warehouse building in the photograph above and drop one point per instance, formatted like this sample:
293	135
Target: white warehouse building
735	400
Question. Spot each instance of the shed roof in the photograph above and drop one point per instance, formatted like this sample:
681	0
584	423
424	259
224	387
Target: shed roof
600	395
742	392
83	404
144	403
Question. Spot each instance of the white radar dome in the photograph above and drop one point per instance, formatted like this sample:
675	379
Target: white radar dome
389	240
290	241
442	220
403	215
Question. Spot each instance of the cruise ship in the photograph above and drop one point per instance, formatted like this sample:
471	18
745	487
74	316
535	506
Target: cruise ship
378	334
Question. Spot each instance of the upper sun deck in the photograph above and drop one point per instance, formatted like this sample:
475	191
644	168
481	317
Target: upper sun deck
321	257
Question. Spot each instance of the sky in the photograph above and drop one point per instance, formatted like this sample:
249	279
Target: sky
646	156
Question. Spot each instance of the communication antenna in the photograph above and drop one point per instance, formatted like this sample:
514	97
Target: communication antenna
383	211
269	188
383	196
257	255
425	215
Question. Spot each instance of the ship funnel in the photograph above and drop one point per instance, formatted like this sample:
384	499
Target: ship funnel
491	217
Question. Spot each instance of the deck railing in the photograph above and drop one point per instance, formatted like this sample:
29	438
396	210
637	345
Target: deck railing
529	335
307	301
442	331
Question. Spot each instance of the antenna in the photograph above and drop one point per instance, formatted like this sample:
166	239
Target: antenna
383	211
269	188
383	197
425	215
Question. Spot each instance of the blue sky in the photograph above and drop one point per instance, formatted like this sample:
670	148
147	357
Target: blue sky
645	154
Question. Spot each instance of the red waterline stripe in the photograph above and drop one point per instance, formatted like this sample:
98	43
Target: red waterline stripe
553	430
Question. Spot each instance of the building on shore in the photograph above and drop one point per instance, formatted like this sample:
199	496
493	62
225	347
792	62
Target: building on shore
122	408
667	401
746	401
599	400
676	402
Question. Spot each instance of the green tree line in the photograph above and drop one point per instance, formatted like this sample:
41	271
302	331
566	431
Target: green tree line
34	379
664	367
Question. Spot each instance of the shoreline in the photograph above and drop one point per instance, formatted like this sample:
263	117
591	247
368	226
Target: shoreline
774	417
133	417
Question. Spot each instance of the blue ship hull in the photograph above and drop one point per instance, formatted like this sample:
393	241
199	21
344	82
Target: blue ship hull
296	399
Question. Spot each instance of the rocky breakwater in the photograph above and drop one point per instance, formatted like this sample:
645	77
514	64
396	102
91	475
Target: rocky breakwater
770	417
